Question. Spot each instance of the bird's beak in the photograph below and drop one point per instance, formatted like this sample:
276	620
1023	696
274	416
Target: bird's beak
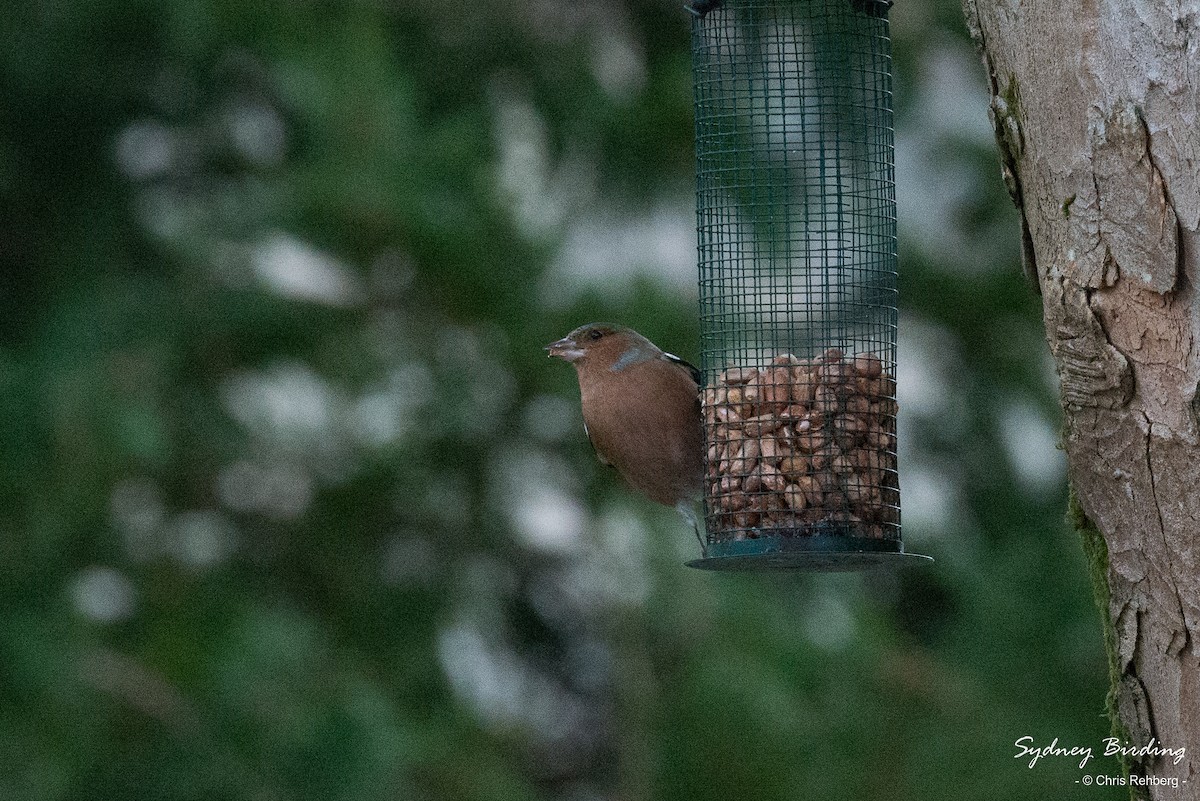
564	349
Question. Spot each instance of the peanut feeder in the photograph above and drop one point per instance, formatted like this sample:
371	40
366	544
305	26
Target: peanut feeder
796	225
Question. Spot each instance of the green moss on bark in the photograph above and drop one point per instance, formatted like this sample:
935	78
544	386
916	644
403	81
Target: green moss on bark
1095	551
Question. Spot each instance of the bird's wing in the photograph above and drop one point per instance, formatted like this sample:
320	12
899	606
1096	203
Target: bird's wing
691	368
592	442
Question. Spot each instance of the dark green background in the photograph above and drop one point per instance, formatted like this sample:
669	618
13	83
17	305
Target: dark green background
294	507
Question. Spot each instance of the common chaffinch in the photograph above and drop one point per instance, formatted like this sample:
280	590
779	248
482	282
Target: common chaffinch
641	411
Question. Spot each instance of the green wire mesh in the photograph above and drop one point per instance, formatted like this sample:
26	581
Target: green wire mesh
797	259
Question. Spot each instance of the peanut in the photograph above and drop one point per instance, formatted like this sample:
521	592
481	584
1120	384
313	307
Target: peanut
797	442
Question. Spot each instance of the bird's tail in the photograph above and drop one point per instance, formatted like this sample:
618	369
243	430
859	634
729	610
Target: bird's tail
688	510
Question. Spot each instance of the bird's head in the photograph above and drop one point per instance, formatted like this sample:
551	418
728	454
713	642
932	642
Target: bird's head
599	344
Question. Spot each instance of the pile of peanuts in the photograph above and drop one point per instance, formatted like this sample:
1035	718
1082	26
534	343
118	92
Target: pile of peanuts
799	445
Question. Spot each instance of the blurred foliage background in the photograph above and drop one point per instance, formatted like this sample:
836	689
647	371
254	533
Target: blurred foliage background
294	507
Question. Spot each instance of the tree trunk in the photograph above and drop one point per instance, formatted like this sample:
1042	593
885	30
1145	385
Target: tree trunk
1096	107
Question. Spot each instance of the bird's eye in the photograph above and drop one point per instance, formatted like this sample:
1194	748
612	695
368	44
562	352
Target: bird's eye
595	334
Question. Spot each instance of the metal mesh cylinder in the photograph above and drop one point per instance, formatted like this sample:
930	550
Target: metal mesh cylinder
797	260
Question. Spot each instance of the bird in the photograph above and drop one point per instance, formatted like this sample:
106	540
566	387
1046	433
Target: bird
641	412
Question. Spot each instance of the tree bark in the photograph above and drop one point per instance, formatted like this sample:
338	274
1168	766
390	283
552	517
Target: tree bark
1096	107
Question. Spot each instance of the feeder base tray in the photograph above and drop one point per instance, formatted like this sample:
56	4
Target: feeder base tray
819	553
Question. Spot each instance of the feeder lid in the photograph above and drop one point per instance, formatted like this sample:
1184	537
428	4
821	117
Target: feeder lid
699	8
819	553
